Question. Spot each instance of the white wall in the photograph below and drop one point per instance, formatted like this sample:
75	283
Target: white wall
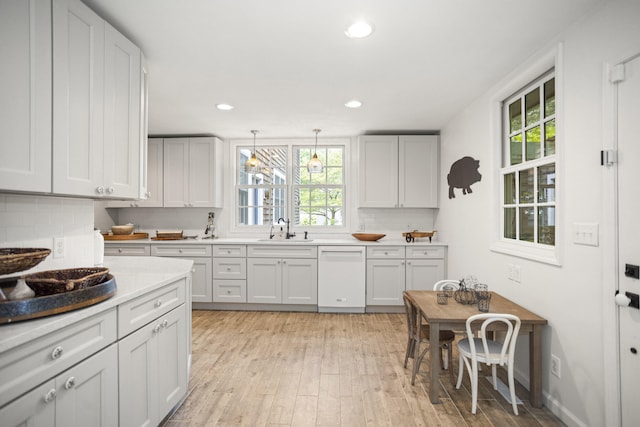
33	222
570	296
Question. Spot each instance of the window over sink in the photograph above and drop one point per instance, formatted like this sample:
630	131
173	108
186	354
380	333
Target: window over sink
283	188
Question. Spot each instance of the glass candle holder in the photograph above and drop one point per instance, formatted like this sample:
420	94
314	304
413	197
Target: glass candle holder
442	298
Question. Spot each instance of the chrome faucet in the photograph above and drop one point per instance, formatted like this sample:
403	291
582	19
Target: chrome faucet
288	235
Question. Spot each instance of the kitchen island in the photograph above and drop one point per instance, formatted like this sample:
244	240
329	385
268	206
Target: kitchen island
124	361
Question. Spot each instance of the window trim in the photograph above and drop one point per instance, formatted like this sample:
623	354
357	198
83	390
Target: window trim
526	74
239	229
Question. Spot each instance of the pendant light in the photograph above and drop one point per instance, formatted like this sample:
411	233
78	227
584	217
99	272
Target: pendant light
253	165
315	165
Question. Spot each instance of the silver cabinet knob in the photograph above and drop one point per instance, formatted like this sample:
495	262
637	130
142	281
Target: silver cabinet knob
57	352
156	329
165	323
100	189
50	396
158	303
70	383
228	268
110	190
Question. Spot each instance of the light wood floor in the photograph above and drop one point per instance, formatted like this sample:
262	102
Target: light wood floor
299	369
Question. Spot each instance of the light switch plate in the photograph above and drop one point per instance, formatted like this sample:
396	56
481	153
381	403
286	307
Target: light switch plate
585	233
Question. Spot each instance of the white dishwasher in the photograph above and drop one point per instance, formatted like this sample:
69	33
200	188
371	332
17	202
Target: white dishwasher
341	279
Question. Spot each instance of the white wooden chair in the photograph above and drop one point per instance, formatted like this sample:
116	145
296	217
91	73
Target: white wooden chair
473	350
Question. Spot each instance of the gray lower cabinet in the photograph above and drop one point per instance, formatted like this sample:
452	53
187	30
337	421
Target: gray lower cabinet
152	359
282	275
201	273
85	395
230	273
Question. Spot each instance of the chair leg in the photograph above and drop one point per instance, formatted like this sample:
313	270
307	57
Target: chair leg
474	386
460	371
445	360
494	374
409	351
512	390
417	360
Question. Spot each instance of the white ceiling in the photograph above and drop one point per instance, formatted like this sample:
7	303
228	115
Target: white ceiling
288	68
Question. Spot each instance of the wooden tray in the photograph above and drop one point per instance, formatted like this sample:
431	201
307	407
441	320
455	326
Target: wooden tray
126	236
33	308
167	238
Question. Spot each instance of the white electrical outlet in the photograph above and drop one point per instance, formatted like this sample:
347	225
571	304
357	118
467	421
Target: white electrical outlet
517	274
58	247
555	365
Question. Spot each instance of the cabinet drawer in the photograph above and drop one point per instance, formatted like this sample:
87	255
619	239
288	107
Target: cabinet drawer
229	250
185	250
385	252
229	268
282	251
425	252
127	250
28	365
142	310
229	290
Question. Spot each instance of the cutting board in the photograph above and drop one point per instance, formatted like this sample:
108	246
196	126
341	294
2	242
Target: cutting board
126	236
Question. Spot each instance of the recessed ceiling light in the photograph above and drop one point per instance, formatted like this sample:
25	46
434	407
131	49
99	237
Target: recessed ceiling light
358	30
225	107
354	103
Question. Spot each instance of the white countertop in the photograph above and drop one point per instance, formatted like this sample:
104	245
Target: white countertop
134	276
391	241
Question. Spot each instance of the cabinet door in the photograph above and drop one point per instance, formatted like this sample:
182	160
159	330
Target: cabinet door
172	360
378	174
87	394
25	95
300	281
34	409
154	173
138	377
121	154
422	274
418	171
202	172
264	278
202	280
385	281
78	90
176	164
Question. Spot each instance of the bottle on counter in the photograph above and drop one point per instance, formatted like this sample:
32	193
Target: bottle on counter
98	248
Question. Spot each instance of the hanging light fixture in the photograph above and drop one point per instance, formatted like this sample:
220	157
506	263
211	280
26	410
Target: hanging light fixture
253	165
315	165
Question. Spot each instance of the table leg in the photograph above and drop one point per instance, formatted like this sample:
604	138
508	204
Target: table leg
434	351
535	366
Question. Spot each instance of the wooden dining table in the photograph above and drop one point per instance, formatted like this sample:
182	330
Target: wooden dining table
453	316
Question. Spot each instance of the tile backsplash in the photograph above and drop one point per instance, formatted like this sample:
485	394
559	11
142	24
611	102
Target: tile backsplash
34	221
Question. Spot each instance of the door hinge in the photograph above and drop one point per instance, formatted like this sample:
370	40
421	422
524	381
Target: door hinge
608	157
617	74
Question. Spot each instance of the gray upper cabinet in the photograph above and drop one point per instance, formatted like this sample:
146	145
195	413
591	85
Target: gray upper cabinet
96	106
72	94
398	171
25	95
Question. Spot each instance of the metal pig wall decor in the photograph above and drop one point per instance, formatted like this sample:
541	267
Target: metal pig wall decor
462	174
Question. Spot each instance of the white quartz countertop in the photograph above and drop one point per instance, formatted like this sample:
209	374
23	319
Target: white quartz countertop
134	276
298	240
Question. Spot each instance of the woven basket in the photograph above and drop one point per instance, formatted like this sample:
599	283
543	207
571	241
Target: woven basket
59	281
19	259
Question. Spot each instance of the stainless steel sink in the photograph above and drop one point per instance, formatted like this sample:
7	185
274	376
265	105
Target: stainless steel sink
286	241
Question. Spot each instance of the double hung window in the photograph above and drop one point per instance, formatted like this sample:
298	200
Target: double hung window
528	173
282	187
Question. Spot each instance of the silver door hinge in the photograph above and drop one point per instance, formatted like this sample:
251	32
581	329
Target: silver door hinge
608	157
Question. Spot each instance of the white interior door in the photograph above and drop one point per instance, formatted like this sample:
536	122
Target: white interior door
629	237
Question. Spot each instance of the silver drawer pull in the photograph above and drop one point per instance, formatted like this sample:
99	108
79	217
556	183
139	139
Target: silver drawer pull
228	251
57	352
158	303
50	396
165	323
156	329
119	250
228	268
71	383
228	291
180	250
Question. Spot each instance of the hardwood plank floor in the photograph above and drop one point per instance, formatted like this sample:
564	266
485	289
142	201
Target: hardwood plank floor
319	369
